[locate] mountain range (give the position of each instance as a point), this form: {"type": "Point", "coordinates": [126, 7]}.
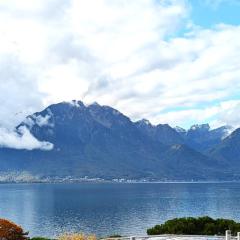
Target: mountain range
{"type": "Point", "coordinates": [99, 142]}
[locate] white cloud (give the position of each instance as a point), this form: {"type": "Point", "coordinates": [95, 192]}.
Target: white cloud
{"type": "Point", "coordinates": [126, 54]}
{"type": "Point", "coordinates": [19, 93]}
{"type": "Point", "coordinates": [223, 113]}
{"type": "Point", "coordinates": [43, 121]}
{"type": "Point", "coordinates": [22, 140]}
{"type": "Point", "coordinates": [228, 112]}
{"type": "Point", "coordinates": [19, 97]}
{"type": "Point", "coordinates": [39, 120]}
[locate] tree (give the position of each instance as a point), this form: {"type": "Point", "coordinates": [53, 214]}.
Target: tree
{"type": "Point", "coordinates": [196, 226]}
{"type": "Point", "coordinates": [11, 231]}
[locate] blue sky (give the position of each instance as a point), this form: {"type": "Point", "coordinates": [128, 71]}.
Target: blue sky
{"type": "Point", "coordinates": [169, 61]}
{"type": "Point", "coordinates": [210, 13]}
{"type": "Point", "coordinates": [207, 14]}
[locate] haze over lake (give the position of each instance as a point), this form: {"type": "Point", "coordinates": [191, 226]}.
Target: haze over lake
{"type": "Point", "coordinates": [104, 209]}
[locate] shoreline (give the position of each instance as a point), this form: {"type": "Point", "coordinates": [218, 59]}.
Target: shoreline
{"type": "Point", "coordinates": [116, 182]}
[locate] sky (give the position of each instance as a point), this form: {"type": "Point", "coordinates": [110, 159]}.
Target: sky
{"type": "Point", "coordinates": [168, 61]}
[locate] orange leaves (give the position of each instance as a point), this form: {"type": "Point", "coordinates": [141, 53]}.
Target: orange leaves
{"type": "Point", "coordinates": [11, 231]}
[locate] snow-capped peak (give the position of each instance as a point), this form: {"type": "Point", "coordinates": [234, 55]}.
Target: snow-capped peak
{"type": "Point", "coordinates": [76, 103]}
{"type": "Point", "coordinates": [200, 126]}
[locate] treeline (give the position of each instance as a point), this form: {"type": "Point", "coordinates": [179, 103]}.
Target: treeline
{"type": "Point", "coordinates": [196, 226]}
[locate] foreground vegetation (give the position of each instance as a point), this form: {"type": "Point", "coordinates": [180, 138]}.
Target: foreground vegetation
{"type": "Point", "coordinates": [196, 226]}
{"type": "Point", "coordinates": [188, 226]}
{"type": "Point", "coordinates": [11, 231]}
{"type": "Point", "coordinates": [74, 236]}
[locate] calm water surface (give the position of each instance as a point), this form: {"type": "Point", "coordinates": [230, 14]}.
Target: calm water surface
{"type": "Point", "coordinates": [103, 209]}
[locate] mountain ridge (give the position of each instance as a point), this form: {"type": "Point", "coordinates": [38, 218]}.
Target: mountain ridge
{"type": "Point", "coordinates": [100, 142]}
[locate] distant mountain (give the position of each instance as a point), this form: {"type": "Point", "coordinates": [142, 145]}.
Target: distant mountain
{"type": "Point", "coordinates": [229, 149]}
{"type": "Point", "coordinates": [100, 142]}
{"type": "Point", "coordinates": [202, 138]}
{"type": "Point", "coordinates": [161, 133]}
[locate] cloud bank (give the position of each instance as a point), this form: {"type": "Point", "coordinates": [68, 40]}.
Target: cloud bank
{"type": "Point", "coordinates": [22, 140]}
{"type": "Point", "coordinates": [144, 57]}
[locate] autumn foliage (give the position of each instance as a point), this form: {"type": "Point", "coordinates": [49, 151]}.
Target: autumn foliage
{"type": "Point", "coordinates": [11, 231]}
{"type": "Point", "coordinates": [77, 236]}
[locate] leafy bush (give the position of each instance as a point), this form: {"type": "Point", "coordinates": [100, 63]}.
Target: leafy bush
{"type": "Point", "coordinates": [11, 231]}
{"type": "Point", "coordinates": [195, 226]}
{"type": "Point", "coordinates": [115, 236]}
{"type": "Point", "coordinates": [77, 236]}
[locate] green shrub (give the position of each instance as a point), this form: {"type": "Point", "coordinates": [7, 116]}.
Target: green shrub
{"type": "Point", "coordinates": [195, 226]}
{"type": "Point", "coordinates": [115, 236]}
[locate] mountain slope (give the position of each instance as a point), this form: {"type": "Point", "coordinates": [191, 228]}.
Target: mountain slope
{"type": "Point", "coordinates": [99, 141]}
{"type": "Point", "coordinates": [228, 149]}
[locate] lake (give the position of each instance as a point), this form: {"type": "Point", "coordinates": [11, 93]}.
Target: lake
{"type": "Point", "coordinates": [104, 209]}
